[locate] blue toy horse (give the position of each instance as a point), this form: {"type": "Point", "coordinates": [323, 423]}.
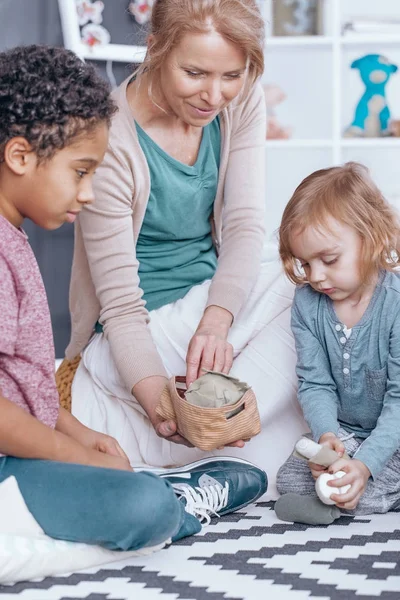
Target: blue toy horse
{"type": "Point", "coordinates": [372, 114]}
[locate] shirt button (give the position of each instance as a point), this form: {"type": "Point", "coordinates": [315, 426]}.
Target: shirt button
{"type": "Point", "coordinates": [346, 355]}
{"type": "Point", "coordinates": [338, 328]}
{"type": "Point", "coordinates": [346, 371]}
{"type": "Point", "coordinates": [343, 340]}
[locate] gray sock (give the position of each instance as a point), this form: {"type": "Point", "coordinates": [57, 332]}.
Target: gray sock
{"type": "Point", "coordinates": [305, 509]}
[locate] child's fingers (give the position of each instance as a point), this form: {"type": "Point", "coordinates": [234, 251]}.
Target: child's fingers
{"type": "Point", "coordinates": [347, 479]}
{"type": "Point", "coordinates": [120, 451]}
{"type": "Point", "coordinates": [347, 501]}
{"type": "Point", "coordinates": [341, 464]}
{"type": "Point", "coordinates": [338, 446]}
{"type": "Point", "coordinates": [351, 498]}
{"type": "Point", "coordinates": [110, 446]}
{"type": "Point", "coordinates": [316, 470]}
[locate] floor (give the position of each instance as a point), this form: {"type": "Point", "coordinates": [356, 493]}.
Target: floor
{"type": "Point", "coordinates": [247, 556]}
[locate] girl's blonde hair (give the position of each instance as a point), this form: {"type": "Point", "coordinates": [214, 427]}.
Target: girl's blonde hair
{"type": "Point", "coordinates": [238, 21]}
{"type": "Point", "coordinates": [347, 194]}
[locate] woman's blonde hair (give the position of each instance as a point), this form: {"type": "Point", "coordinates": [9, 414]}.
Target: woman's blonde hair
{"type": "Point", "coordinates": [347, 194]}
{"type": "Point", "coordinates": [238, 21]}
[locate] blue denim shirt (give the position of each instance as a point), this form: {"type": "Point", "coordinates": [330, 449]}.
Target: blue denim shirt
{"type": "Point", "coordinates": [353, 383]}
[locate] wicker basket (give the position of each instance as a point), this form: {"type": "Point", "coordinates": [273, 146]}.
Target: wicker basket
{"type": "Point", "coordinates": [64, 377]}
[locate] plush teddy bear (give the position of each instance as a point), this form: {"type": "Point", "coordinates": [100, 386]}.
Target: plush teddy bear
{"type": "Point", "coordinates": [372, 113]}
{"type": "Point", "coordinates": [275, 131]}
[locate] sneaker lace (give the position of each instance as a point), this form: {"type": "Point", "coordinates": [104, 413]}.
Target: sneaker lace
{"type": "Point", "coordinates": [201, 502]}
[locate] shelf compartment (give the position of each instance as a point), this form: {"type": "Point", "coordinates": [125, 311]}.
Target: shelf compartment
{"type": "Point", "coordinates": [359, 39]}
{"type": "Point", "coordinates": [389, 142]}
{"type": "Point", "coordinates": [298, 40]}
{"type": "Point", "coordinates": [299, 143]}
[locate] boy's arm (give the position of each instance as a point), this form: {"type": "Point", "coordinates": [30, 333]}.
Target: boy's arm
{"type": "Point", "coordinates": [70, 426]}
{"type": "Point", "coordinates": [317, 392]}
{"type": "Point", "coordinates": [23, 436]}
{"type": "Point", "coordinates": [384, 440]}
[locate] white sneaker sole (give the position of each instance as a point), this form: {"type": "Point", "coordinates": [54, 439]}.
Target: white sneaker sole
{"type": "Point", "coordinates": [198, 463]}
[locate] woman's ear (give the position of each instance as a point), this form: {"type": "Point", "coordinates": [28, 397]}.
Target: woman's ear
{"type": "Point", "coordinates": [150, 40]}
{"type": "Point", "coordinates": [18, 155]}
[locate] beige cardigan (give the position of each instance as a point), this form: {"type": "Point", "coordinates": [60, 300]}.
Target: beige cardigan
{"type": "Point", "coordinates": [104, 279]}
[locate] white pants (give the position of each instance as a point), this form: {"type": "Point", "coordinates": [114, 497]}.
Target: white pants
{"type": "Point", "coordinates": [264, 357]}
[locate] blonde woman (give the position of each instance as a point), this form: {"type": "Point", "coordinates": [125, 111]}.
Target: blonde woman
{"type": "Point", "coordinates": [168, 261]}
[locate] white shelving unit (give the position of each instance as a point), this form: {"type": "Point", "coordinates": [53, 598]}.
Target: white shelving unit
{"type": "Point", "coordinates": [322, 93]}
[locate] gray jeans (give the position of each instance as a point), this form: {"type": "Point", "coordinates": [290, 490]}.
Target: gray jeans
{"type": "Point", "coordinates": [380, 496]}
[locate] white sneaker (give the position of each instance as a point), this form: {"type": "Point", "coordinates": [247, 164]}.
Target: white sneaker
{"type": "Point", "coordinates": [203, 501]}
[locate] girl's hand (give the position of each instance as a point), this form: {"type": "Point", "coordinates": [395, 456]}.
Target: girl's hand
{"type": "Point", "coordinates": [331, 441]}
{"type": "Point", "coordinates": [316, 470]}
{"type": "Point", "coordinates": [209, 349]}
{"type": "Point", "coordinates": [357, 475]}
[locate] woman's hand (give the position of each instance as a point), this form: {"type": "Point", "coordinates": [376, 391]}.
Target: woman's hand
{"type": "Point", "coordinates": [209, 349]}
{"type": "Point", "coordinates": [357, 475]}
{"type": "Point", "coordinates": [148, 392]}
{"type": "Point", "coordinates": [330, 440]}
{"type": "Point", "coordinates": [168, 431]}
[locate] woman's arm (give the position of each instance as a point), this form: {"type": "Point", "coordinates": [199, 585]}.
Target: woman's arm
{"type": "Point", "coordinates": [239, 214]}
{"type": "Point", "coordinates": [107, 229]}
{"type": "Point", "coordinates": [23, 436]}
{"type": "Point", "coordinates": [239, 220]}
{"type": "Point", "coordinates": [147, 392]}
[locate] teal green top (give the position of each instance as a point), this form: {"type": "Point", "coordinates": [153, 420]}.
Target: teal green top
{"type": "Point", "coordinates": [174, 248]}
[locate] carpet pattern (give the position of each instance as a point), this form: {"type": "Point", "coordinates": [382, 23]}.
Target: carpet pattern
{"type": "Point", "coordinates": [247, 556]}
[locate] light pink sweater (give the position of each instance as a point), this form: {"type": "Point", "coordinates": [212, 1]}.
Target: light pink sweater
{"type": "Point", "coordinates": [104, 279]}
{"type": "Point", "coordinates": [26, 339]}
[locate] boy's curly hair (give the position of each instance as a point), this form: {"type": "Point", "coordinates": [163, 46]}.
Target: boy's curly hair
{"type": "Point", "coordinates": [49, 97]}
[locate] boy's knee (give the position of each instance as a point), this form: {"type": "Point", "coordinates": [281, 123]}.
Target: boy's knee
{"type": "Point", "coordinates": [148, 512]}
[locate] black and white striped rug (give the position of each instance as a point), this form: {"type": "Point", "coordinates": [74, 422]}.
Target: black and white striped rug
{"type": "Point", "coordinates": [248, 556]}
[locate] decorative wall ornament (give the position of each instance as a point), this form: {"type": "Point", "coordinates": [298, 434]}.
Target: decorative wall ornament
{"type": "Point", "coordinates": [89, 11]}
{"type": "Point", "coordinates": [141, 10]}
{"type": "Point", "coordinates": [90, 15]}
{"type": "Point", "coordinates": [80, 22]}
{"type": "Point", "coordinates": [95, 35]}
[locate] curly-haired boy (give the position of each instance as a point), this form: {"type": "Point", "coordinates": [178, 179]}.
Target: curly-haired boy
{"type": "Point", "coordinates": [78, 484]}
